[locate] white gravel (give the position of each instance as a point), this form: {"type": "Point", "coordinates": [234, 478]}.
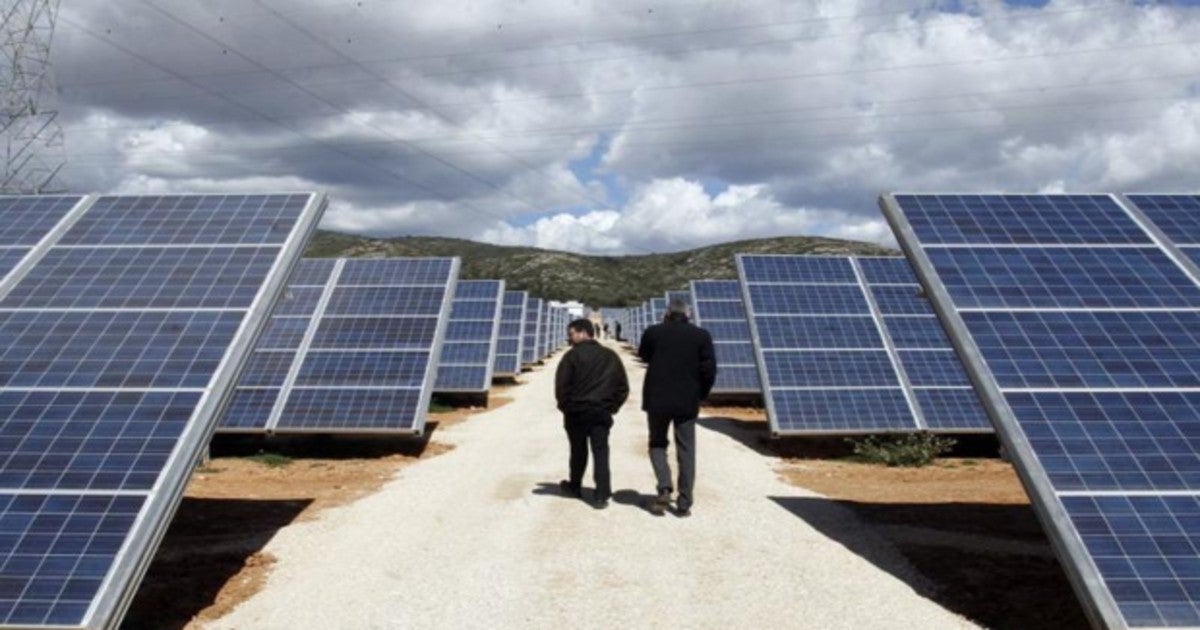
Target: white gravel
{"type": "Point", "coordinates": [470, 540]}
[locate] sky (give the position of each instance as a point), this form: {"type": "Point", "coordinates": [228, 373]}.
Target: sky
{"type": "Point", "coordinates": [627, 127]}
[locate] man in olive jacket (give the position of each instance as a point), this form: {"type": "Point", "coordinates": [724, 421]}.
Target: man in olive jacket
{"type": "Point", "coordinates": [590, 386]}
{"type": "Point", "coordinates": [681, 367]}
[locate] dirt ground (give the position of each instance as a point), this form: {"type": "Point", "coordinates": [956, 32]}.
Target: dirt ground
{"type": "Point", "coordinates": [964, 522]}
{"type": "Point", "coordinates": [210, 559]}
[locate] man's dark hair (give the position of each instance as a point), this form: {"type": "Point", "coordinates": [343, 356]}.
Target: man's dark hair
{"type": "Point", "coordinates": [583, 325]}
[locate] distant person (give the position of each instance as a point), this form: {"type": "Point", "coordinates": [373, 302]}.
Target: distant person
{"type": "Point", "coordinates": [617, 329]}
{"type": "Point", "coordinates": [606, 333]}
{"type": "Point", "coordinates": [590, 386]}
{"type": "Point", "coordinates": [681, 369]}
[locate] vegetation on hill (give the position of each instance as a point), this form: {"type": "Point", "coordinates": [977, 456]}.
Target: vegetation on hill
{"type": "Point", "coordinates": [594, 280]}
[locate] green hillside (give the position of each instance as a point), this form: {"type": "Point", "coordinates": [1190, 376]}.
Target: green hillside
{"type": "Point", "coordinates": [595, 280]}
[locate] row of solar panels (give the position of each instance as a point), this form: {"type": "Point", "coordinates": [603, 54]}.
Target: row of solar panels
{"type": "Point", "coordinates": [845, 345]}
{"type": "Point", "coordinates": [133, 327]}
{"type": "Point", "coordinates": [360, 345]}
{"type": "Point", "coordinates": [1069, 324]}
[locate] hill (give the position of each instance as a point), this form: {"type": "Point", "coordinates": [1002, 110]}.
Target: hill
{"type": "Point", "coordinates": [595, 280]}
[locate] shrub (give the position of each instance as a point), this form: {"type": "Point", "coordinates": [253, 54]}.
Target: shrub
{"type": "Point", "coordinates": [911, 450]}
{"type": "Point", "coordinates": [271, 460]}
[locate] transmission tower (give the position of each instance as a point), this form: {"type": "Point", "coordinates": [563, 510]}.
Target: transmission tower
{"type": "Point", "coordinates": [32, 137]}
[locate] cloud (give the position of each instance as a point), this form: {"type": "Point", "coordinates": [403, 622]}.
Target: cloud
{"type": "Point", "coordinates": [603, 127]}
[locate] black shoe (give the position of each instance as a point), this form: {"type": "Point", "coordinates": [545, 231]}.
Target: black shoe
{"type": "Point", "coordinates": [683, 512]}
{"type": "Point", "coordinates": [568, 490]}
{"type": "Point", "coordinates": [659, 506]}
{"type": "Point", "coordinates": [600, 504]}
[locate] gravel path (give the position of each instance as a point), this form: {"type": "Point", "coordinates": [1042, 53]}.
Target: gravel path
{"type": "Point", "coordinates": [479, 538]}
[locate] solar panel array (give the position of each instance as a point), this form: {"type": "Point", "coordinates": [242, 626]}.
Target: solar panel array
{"type": "Point", "coordinates": [123, 320]}
{"type": "Point", "coordinates": [1079, 316]}
{"type": "Point", "coordinates": [511, 334]}
{"type": "Point", "coordinates": [534, 320]}
{"type": "Point", "coordinates": [352, 348]}
{"type": "Point", "coordinates": [717, 307]}
{"type": "Point", "coordinates": [469, 349]}
{"type": "Point", "coordinates": [836, 338]}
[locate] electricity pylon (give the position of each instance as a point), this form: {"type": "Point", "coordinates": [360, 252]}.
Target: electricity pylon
{"type": "Point", "coordinates": [31, 135]}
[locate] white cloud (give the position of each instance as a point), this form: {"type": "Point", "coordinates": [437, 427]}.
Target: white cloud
{"type": "Point", "coordinates": [466, 119]}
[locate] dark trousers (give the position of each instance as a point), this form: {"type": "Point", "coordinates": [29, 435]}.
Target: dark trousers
{"type": "Point", "coordinates": [590, 427]}
{"type": "Point", "coordinates": [685, 453]}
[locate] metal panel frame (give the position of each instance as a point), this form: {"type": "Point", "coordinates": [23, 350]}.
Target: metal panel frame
{"type": "Point", "coordinates": [1084, 576]}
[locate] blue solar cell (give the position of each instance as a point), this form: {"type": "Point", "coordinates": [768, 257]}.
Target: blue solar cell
{"type": "Point", "coordinates": [1063, 277]}
{"type": "Point", "coordinates": [460, 377]}
{"type": "Point", "coordinates": [1089, 349]}
{"type": "Point", "coordinates": [469, 353]}
{"type": "Point", "coordinates": [358, 410]}
{"type": "Point", "coordinates": [473, 309]}
{"type": "Point", "coordinates": [901, 300]}
{"type": "Point", "coordinates": [188, 219]}
{"type": "Point", "coordinates": [89, 440]}
{"type": "Point", "coordinates": [798, 332]}
{"type": "Point", "coordinates": [842, 410]}
{"type": "Point", "coordinates": [934, 368]}
{"type": "Point", "coordinates": [1145, 548]}
{"type": "Point", "coordinates": [312, 272]}
{"type": "Point", "coordinates": [714, 310]}
{"type": "Point", "coordinates": [737, 378]}
{"type": "Point", "coordinates": [153, 277]}
{"type": "Point", "coordinates": [389, 300]}
{"type": "Point", "coordinates": [267, 369]}
{"type": "Point", "coordinates": [734, 354]}
{"type": "Point", "coordinates": [485, 290]}
{"type": "Point", "coordinates": [859, 368]}
{"type": "Point", "coordinates": [58, 551]}
{"type": "Point", "coordinates": [717, 290]}
{"type": "Point", "coordinates": [1113, 440]}
{"type": "Point", "coordinates": [283, 333]}
{"type": "Point", "coordinates": [363, 369]}
{"type": "Point", "coordinates": [952, 410]}
{"type": "Point", "coordinates": [395, 272]}
{"type": "Point", "coordinates": [300, 301]}
{"type": "Point", "coordinates": [507, 364]}
{"type": "Point", "coordinates": [893, 270]}
{"type": "Point", "coordinates": [771, 299]}
{"type": "Point", "coordinates": [1193, 253]}
{"type": "Point", "coordinates": [249, 409]}
{"type": "Point", "coordinates": [917, 332]}
{"type": "Point", "coordinates": [1020, 219]}
{"type": "Point", "coordinates": [1178, 216]}
{"type": "Point", "coordinates": [469, 330]}
{"type": "Point", "coordinates": [381, 333]}
{"type": "Point", "coordinates": [508, 346]}
{"type": "Point", "coordinates": [28, 220]}
{"type": "Point", "coordinates": [92, 349]}
{"type": "Point", "coordinates": [798, 269]}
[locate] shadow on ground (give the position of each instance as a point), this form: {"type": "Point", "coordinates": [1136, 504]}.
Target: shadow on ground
{"type": "Point", "coordinates": [627, 497]}
{"type": "Point", "coordinates": [209, 541]}
{"type": "Point", "coordinates": [990, 563]}
{"type": "Point", "coordinates": [323, 446]}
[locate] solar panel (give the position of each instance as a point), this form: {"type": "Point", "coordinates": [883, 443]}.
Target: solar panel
{"type": "Point", "coordinates": [510, 336]}
{"type": "Point", "coordinates": [102, 425]}
{"type": "Point", "coordinates": [532, 332]}
{"type": "Point", "coordinates": [356, 337]}
{"type": "Point", "coordinates": [717, 307]}
{"type": "Point", "coordinates": [1076, 315]}
{"type": "Point", "coordinates": [468, 352]}
{"type": "Point", "coordinates": [848, 345]}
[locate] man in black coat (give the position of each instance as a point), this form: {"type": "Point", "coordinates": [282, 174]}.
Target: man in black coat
{"type": "Point", "coordinates": [590, 386]}
{"type": "Point", "coordinates": [681, 369]}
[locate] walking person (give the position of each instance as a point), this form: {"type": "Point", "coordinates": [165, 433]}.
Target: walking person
{"type": "Point", "coordinates": [681, 367]}
{"type": "Point", "coordinates": [590, 386]}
